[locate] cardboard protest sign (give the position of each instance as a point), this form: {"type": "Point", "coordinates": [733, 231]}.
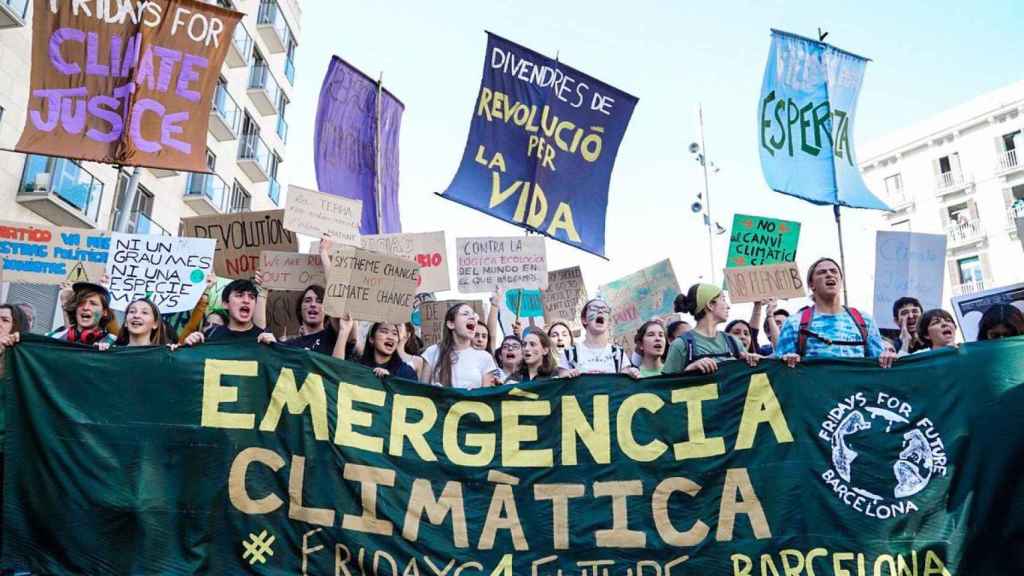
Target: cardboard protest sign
{"type": "Point", "coordinates": [564, 298]}
{"type": "Point", "coordinates": [290, 270]}
{"type": "Point", "coordinates": [369, 286]}
{"type": "Point", "coordinates": [486, 264]}
{"type": "Point", "coordinates": [541, 146]}
{"type": "Point", "coordinates": [907, 264]}
{"type": "Point", "coordinates": [241, 236]}
{"type": "Point", "coordinates": [526, 305]}
{"type": "Point", "coordinates": [171, 271]}
{"type": "Point", "coordinates": [970, 308]}
{"type": "Point", "coordinates": [314, 214]}
{"type": "Point", "coordinates": [756, 240]}
{"type": "Point", "coordinates": [432, 317]}
{"type": "Point", "coordinates": [640, 296]}
{"type": "Point", "coordinates": [757, 283]}
{"type": "Point", "coordinates": [40, 254]}
{"type": "Point", "coordinates": [130, 86]}
{"type": "Point", "coordinates": [427, 249]}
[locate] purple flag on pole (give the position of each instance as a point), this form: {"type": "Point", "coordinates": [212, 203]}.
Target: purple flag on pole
{"type": "Point", "coordinates": [346, 145]}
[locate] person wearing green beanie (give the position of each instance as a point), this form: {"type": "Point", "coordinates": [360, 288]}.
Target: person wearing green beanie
{"type": "Point", "coordinates": [701, 349]}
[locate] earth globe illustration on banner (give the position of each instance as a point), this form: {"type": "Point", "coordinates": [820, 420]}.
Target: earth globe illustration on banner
{"type": "Point", "coordinates": [881, 455]}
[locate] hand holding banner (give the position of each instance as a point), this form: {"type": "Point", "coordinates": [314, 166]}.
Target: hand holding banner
{"type": "Point", "coordinates": [170, 271]}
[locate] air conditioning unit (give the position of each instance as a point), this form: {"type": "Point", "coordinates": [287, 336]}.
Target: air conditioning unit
{"type": "Point", "coordinates": [42, 183]}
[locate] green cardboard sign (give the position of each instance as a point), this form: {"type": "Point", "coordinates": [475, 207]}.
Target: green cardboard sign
{"type": "Point", "coordinates": [757, 241]}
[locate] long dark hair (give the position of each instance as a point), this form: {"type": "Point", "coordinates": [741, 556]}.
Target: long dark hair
{"type": "Point", "coordinates": [549, 366]}
{"type": "Point", "coordinates": [413, 344]}
{"type": "Point", "coordinates": [158, 337]}
{"type": "Point", "coordinates": [442, 371]}
{"type": "Point", "coordinates": [752, 347]}
{"type": "Point", "coordinates": [686, 303]}
{"type": "Point", "coordinates": [638, 338]}
{"type": "Point", "coordinates": [20, 319]}
{"type": "Point", "coordinates": [1005, 314]}
{"type": "Point", "coordinates": [572, 339]}
{"type": "Point", "coordinates": [369, 359]}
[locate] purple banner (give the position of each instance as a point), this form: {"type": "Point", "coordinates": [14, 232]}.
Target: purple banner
{"type": "Point", "coordinates": [346, 144]}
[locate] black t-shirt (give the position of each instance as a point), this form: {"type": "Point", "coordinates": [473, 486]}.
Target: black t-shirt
{"type": "Point", "coordinates": [322, 341]}
{"type": "Point", "coordinates": [402, 370]}
{"type": "Point", "coordinates": [224, 334]}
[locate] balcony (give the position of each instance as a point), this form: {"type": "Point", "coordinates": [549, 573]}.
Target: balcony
{"type": "Point", "coordinates": [140, 223]}
{"type": "Point", "coordinates": [264, 91]}
{"type": "Point", "coordinates": [254, 157]}
{"type": "Point", "coordinates": [162, 172]}
{"type": "Point", "coordinates": [13, 13]}
{"type": "Point", "coordinates": [274, 191]}
{"type": "Point", "coordinates": [61, 191]}
{"type": "Point", "coordinates": [1012, 213]}
{"type": "Point", "coordinates": [225, 115]}
{"type": "Point", "coordinates": [1009, 162]}
{"type": "Point", "coordinates": [289, 71]}
{"type": "Point", "coordinates": [968, 288]}
{"type": "Point", "coordinates": [965, 233]}
{"type": "Point", "coordinates": [240, 50]}
{"type": "Point", "coordinates": [205, 193]}
{"type": "Point", "coordinates": [282, 129]}
{"type": "Point", "coordinates": [272, 26]}
{"type": "Point", "coordinates": [951, 182]}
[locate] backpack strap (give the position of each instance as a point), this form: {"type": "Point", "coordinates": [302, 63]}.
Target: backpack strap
{"type": "Point", "coordinates": [734, 348]}
{"type": "Point", "coordinates": [858, 319]}
{"type": "Point", "coordinates": [688, 340]}
{"type": "Point", "coordinates": [806, 315]}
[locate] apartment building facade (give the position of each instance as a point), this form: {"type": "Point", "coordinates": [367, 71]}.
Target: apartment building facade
{"type": "Point", "coordinates": [245, 151]}
{"type": "Point", "coordinates": [959, 173]}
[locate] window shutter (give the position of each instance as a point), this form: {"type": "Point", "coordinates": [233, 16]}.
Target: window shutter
{"type": "Point", "coordinates": [986, 269]}
{"type": "Point", "coordinates": [954, 273]}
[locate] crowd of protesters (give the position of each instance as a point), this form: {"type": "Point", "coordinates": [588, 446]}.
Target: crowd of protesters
{"type": "Point", "coordinates": [468, 355]}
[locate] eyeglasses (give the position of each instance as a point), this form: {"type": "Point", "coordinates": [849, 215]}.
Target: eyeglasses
{"type": "Point", "coordinates": [512, 346]}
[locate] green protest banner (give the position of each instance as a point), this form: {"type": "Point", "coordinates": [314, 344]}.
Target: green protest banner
{"type": "Point", "coordinates": [235, 458]}
{"type": "Point", "coordinates": [756, 241]}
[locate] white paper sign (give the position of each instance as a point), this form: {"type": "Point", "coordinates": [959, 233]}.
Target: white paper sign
{"type": "Point", "coordinates": [169, 270]}
{"type": "Point", "coordinates": [907, 264]}
{"type": "Point", "coordinates": [315, 214]}
{"type": "Point", "coordinates": [485, 264]}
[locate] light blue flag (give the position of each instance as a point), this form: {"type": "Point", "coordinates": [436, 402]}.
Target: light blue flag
{"type": "Point", "coordinates": [806, 115]}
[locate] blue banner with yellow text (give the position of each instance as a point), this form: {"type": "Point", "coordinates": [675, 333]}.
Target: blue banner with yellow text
{"type": "Point", "coordinates": [542, 145]}
{"type": "Point", "coordinates": [805, 122]}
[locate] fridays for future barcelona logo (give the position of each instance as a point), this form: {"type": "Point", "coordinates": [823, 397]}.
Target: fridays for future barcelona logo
{"type": "Point", "coordinates": [883, 454]}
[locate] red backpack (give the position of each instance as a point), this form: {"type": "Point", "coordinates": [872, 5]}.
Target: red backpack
{"type": "Point", "coordinates": [805, 321]}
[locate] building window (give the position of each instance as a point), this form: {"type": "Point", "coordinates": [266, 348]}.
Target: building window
{"type": "Point", "coordinates": [959, 214]}
{"type": "Point", "coordinates": [894, 187]}
{"type": "Point", "coordinates": [1011, 140]}
{"type": "Point", "coordinates": [211, 160]}
{"type": "Point", "coordinates": [970, 270]}
{"type": "Point", "coordinates": [240, 199]}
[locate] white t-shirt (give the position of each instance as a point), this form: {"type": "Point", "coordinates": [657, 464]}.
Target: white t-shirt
{"type": "Point", "coordinates": [468, 367]}
{"type": "Point", "coordinates": [596, 360]}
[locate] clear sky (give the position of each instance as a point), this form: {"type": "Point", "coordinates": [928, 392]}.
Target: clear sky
{"type": "Point", "coordinates": [926, 56]}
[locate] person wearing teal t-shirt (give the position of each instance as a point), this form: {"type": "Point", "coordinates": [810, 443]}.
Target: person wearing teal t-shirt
{"type": "Point", "coordinates": [650, 347]}
{"type": "Point", "coordinates": [701, 349]}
